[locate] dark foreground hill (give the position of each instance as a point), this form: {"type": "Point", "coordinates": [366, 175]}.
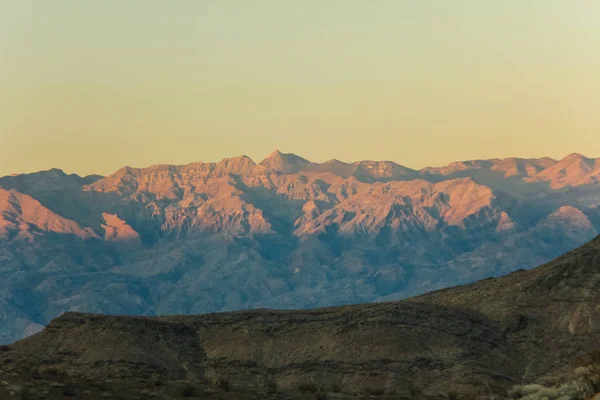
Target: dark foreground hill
{"type": "Point", "coordinates": [474, 341]}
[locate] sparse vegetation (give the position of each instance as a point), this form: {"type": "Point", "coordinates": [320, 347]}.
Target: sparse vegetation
{"type": "Point", "coordinates": [308, 387]}
{"type": "Point", "coordinates": [374, 391]}
{"type": "Point", "coordinates": [595, 357]}
{"type": "Point", "coordinates": [52, 370]}
{"type": "Point", "coordinates": [272, 386]}
{"type": "Point", "coordinates": [576, 389]}
{"type": "Point", "coordinates": [186, 391]}
{"type": "Point", "coordinates": [452, 395]}
{"type": "Point", "coordinates": [414, 391]}
{"type": "Point", "coordinates": [98, 384]}
{"type": "Point", "coordinates": [157, 380]}
{"type": "Point", "coordinates": [69, 392]}
{"type": "Point", "coordinates": [223, 383]}
{"type": "Point", "coordinates": [35, 373]}
{"type": "Point", "coordinates": [584, 383]}
{"type": "Point", "coordinates": [26, 394]}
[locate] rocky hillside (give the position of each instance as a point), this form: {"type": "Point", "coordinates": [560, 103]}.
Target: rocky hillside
{"type": "Point", "coordinates": [478, 341]}
{"type": "Point", "coordinates": [283, 233]}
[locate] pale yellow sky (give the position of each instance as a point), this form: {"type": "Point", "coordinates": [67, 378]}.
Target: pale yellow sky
{"type": "Point", "coordinates": [89, 86]}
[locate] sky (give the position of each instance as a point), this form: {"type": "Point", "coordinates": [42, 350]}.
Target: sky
{"type": "Point", "coordinates": [90, 86]}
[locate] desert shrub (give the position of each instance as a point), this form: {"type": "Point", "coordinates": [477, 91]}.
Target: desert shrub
{"type": "Point", "coordinates": [374, 391]}
{"type": "Point", "coordinates": [452, 395]}
{"type": "Point", "coordinates": [583, 371]}
{"type": "Point", "coordinates": [35, 373]}
{"type": "Point", "coordinates": [223, 383]}
{"type": "Point", "coordinates": [186, 391]}
{"type": "Point", "coordinates": [69, 392]}
{"type": "Point", "coordinates": [146, 393]}
{"type": "Point", "coordinates": [26, 394]}
{"type": "Point", "coordinates": [308, 387]}
{"type": "Point", "coordinates": [52, 370]}
{"type": "Point", "coordinates": [157, 381]}
{"type": "Point", "coordinates": [574, 390]}
{"type": "Point", "coordinates": [98, 384]}
{"type": "Point", "coordinates": [414, 391]}
{"type": "Point", "coordinates": [456, 395]}
{"type": "Point", "coordinates": [594, 382]}
{"type": "Point", "coordinates": [533, 390]}
{"type": "Point", "coordinates": [595, 356]}
{"type": "Point", "coordinates": [272, 386]}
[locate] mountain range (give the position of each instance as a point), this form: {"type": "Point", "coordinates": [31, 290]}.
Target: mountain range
{"type": "Point", "coordinates": [283, 233]}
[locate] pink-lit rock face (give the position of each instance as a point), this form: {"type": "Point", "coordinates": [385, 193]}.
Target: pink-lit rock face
{"type": "Point", "coordinates": [572, 171]}
{"type": "Point", "coordinates": [285, 232]}
{"type": "Point", "coordinates": [24, 217]}
{"type": "Point", "coordinates": [283, 163]}
{"type": "Point", "coordinates": [505, 223]}
{"type": "Point", "coordinates": [403, 206]}
{"type": "Point", "coordinates": [117, 230]}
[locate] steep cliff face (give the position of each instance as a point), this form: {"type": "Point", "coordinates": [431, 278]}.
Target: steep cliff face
{"type": "Point", "coordinates": [283, 233]}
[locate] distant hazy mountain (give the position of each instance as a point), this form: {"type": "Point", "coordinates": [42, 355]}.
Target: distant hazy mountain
{"type": "Point", "coordinates": [284, 233]}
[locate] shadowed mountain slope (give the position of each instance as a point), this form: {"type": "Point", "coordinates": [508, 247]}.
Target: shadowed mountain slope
{"type": "Point", "coordinates": [474, 341]}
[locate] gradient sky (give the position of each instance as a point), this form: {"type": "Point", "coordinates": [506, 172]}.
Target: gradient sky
{"type": "Point", "coordinates": [90, 86]}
